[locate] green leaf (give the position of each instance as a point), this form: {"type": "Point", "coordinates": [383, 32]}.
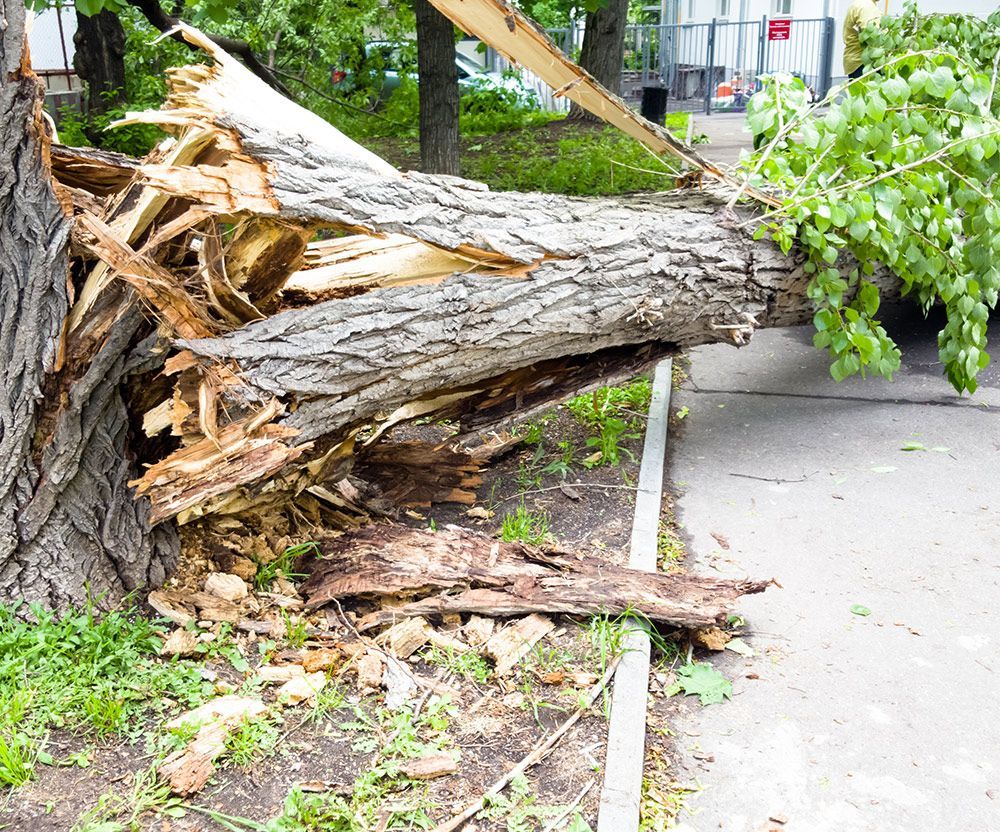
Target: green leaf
{"type": "Point", "coordinates": [884, 469]}
{"type": "Point", "coordinates": [704, 681]}
{"type": "Point", "coordinates": [860, 609]}
{"type": "Point", "coordinates": [88, 8]}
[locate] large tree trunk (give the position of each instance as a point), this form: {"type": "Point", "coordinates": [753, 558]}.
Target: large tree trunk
{"type": "Point", "coordinates": [603, 50]}
{"type": "Point", "coordinates": [68, 521]}
{"type": "Point", "coordinates": [100, 59]}
{"type": "Point", "coordinates": [438, 90]}
{"type": "Point", "coordinates": [451, 298]}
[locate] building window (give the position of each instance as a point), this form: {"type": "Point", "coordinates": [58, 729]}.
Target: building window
{"type": "Point", "coordinates": [783, 7]}
{"type": "Point", "coordinates": [722, 8]}
{"type": "Point", "coordinates": [691, 10]}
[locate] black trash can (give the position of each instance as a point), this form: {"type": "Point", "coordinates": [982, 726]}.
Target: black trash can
{"type": "Point", "coordinates": [654, 104]}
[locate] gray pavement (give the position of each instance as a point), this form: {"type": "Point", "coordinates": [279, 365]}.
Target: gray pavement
{"type": "Point", "coordinates": [885, 723]}
{"type": "Point", "coordinates": [728, 136]}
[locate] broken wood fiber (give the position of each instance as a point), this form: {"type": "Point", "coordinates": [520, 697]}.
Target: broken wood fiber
{"type": "Point", "coordinates": [455, 570]}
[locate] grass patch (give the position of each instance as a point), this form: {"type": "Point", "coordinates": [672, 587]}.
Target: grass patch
{"type": "Point", "coordinates": [550, 155]}
{"type": "Point", "coordinates": [282, 566]}
{"type": "Point", "coordinates": [467, 664]}
{"type": "Point", "coordinates": [612, 415]}
{"type": "Point", "coordinates": [85, 672]}
{"type": "Point", "coordinates": [530, 527]}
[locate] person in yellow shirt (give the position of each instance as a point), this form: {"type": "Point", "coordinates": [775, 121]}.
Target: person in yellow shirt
{"type": "Point", "coordinates": [860, 14]}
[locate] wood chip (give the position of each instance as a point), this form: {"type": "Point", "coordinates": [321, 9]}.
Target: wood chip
{"type": "Point", "coordinates": [301, 688]}
{"type": "Point", "coordinates": [180, 642]}
{"type": "Point", "coordinates": [324, 658]}
{"type": "Point", "coordinates": [227, 587]}
{"type": "Point", "coordinates": [479, 629]}
{"type": "Point", "coordinates": [427, 768]}
{"type": "Point", "coordinates": [271, 674]}
{"type": "Point", "coordinates": [406, 637]}
{"type": "Point", "coordinates": [370, 669]}
{"type": "Point", "coordinates": [513, 643]}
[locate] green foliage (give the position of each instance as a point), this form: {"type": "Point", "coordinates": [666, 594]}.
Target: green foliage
{"type": "Point", "coordinates": [468, 664]}
{"type": "Point", "coordinates": [530, 527]}
{"type": "Point", "coordinates": [704, 681]}
{"type": "Point", "coordinates": [123, 811]}
{"type": "Point", "coordinates": [613, 414]}
{"type": "Point", "coordinates": [253, 739]}
{"type": "Point", "coordinates": [521, 810]}
{"type": "Point", "coordinates": [901, 171]}
{"type": "Point", "coordinates": [283, 566]}
{"type": "Point", "coordinates": [81, 671]}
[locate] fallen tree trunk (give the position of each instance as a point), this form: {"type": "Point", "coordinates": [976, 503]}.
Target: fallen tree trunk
{"type": "Point", "coordinates": [462, 571]}
{"type": "Point", "coordinates": [446, 299]}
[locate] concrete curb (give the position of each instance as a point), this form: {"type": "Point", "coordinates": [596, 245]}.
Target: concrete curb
{"type": "Point", "coordinates": [620, 795]}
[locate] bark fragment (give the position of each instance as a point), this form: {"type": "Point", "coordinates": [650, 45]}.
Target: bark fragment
{"type": "Point", "coordinates": [455, 570]}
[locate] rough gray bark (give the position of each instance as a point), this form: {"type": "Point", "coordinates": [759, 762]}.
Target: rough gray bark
{"type": "Point", "coordinates": [67, 517]}
{"type": "Point", "coordinates": [438, 75]}
{"type": "Point", "coordinates": [668, 269]}
{"type": "Point", "coordinates": [603, 51]}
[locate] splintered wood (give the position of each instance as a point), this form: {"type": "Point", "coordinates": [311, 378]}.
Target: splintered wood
{"type": "Point", "coordinates": [300, 297]}
{"type": "Point", "coordinates": [458, 571]}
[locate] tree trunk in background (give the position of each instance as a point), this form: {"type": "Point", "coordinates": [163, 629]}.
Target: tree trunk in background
{"type": "Point", "coordinates": [100, 60]}
{"type": "Point", "coordinates": [67, 516]}
{"type": "Point", "coordinates": [603, 51]}
{"type": "Point", "coordinates": [438, 90]}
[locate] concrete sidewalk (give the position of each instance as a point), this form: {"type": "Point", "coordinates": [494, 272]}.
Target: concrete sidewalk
{"type": "Point", "coordinates": [728, 136]}
{"type": "Point", "coordinates": [885, 723]}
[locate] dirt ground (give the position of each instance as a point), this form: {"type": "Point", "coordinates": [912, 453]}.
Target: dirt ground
{"type": "Point", "coordinates": [491, 723]}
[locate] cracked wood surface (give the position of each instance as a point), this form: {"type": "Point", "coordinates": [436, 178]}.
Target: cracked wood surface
{"type": "Point", "coordinates": [463, 571]}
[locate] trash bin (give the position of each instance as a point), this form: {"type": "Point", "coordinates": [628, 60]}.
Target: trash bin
{"type": "Point", "coordinates": [654, 104]}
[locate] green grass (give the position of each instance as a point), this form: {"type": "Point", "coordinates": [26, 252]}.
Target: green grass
{"type": "Point", "coordinates": [612, 415]}
{"type": "Point", "coordinates": [252, 740]}
{"type": "Point", "coordinates": [468, 664]}
{"type": "Point", "coordinates": [580, 162]}
{"type": "Point", "coordinates": [93, 674]}
{"type": "Point", "coordinates": [530, 527]}
{"type": "Point", "coordinates": [282, 566]}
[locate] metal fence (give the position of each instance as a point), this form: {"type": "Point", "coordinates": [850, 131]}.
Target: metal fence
{"type": "Point", "coordinates": [713, 67]}
{"type": "Point", "coordinates": [716, 66]}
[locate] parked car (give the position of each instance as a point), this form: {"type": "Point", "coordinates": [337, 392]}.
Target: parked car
{"type": "Point", "coordinates": [393, 60]}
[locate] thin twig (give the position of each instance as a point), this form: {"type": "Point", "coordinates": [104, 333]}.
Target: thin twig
{"type": "Point", "coordinates": [568, 485]}
{"type": "Point", "coordinates": [336, 100]}
{"type": "Point", "coordinates": [778, 480]}
{"type": "Point", "coordinates": [537, 754]}
{"type": "Point", "coordinates": [569, 809]}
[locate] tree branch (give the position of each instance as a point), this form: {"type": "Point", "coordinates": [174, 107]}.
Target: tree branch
{"type": "Point", "coordinates": [153, 12]}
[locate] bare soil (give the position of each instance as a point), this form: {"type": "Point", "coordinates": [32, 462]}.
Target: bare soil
{"type": "Point", "coordinates": [494, 725]}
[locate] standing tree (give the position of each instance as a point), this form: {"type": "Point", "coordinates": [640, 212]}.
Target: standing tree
{"type": "Point", "coordinates": [603, 52]}
{"type": "Point", "coordinates": [438, 75]}
{"type": "Point", "coordinates": [99, 59]}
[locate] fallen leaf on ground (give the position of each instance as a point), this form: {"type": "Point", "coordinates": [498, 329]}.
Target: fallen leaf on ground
{"type": "Point", "coordinates": [860, 609]}
{"type": "Point", "coordinates": [704, 681]}
{"type": "Point", "coordinates": [712, 637]}
{"type": "Point", "coordinates": [738, 645]}
{"type": "Point", "coordinates": [720, 539]}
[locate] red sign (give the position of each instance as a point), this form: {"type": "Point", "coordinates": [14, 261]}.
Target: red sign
{"type": "Point", "coordinates": [780, 29]}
